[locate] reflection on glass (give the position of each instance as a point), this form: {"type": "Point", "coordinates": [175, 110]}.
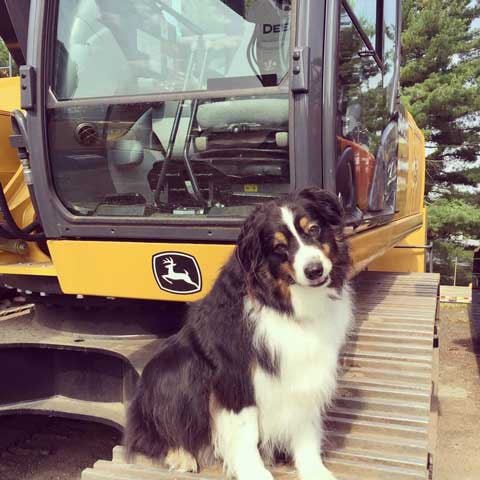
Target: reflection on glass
{"type": "Point", "coordinates": [209, 158]}
{"type": "Point", "coordinates": [131, 47]}
{"type": "Point", "coordinates": [367, 139]}
{"type": "Point", "coordinates": [366, 13]}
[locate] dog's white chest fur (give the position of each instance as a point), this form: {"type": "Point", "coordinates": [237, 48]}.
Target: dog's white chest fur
{"type": "Point", "coordinates": [306, 347]}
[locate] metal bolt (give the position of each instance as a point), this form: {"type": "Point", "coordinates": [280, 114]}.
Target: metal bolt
{"type": "Point", "coordinates": [296, 69]}
{"type": "Point", "coordinates": [296, 55]}
{"type": "Point", "coordinates": [21, 247]}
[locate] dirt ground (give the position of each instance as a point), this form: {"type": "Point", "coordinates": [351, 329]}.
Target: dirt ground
{"type": "Point", "coordinates": [43, 448]}
{"type": "Point", "coordinates": [458, 441]}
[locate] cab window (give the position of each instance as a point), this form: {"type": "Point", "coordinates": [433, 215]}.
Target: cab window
{"type": "Point", "coordinates": [366, 13]}
{"type": "Point", "coordinates": [113, 48]}
{"type": "Point", "coordinates": [367, 131]}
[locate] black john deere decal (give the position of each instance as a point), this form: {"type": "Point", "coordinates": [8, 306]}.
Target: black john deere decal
{"type": "Point", "coordinates": [177, 272]}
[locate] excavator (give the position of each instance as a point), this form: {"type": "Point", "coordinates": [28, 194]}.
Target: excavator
{"type": "Point", "coordinates": [135, 141]}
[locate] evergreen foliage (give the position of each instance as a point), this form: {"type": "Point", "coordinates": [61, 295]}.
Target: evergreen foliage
{"type": "Point", "coordinates": [440, 79]}
{"type": "Point", "coordinates": [440, 86]}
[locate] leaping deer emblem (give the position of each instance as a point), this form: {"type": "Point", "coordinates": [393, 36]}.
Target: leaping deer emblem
{"type": "Point", "coordinates": [173, 275]}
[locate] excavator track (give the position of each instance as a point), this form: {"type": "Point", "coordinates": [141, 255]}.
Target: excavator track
{"type": "Point", "coordinates": [382, 424]}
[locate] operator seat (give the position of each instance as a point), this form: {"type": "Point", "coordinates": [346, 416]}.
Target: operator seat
{"type": "Point", "coordinates": [95, 56]}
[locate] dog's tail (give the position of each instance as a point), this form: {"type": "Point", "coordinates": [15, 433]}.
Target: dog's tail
{"type": "Point", "coordinates": [140, 435]}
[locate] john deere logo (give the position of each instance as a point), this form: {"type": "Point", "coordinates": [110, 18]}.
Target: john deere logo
{"type": "Point", "coordinates": [177, 272]}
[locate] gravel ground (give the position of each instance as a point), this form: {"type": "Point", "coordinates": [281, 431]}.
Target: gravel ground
{"type": "Point", "coordinates": [457, 455]}
{"type": "Point", "coordinates": [41, 448]}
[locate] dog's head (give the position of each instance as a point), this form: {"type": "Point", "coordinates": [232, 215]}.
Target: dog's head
{"type": "Point", "coordinates": [295, 240]}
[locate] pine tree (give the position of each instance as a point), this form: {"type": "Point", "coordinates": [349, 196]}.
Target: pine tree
{"type": "Point", "coordinates": [441, 87]}
{"type": "Point", "coordinates": [440, 78]}
{"type": "Point", "coordinates": [3, 57]}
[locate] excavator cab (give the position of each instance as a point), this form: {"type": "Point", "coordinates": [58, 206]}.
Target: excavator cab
{"type": "Point", "coordinates": [150, 115]}
{"type": "Point", "coordinates": [164, 123]}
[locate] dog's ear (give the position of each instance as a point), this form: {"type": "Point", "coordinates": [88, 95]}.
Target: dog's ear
{"type": "Point", "coordinates": [249, 245]}
{"type": "Point", "coordinates": [325, 205]}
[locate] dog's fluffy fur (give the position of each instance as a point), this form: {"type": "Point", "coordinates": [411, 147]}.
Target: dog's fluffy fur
{"type": "Point", "coordinates": [255, 364]}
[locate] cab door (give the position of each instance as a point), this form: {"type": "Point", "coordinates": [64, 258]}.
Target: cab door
{"type": "Point", "coordinates": [367, 108]}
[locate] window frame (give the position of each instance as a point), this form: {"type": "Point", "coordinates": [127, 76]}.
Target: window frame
{"type": "Point", "coordinates": [376, 51]}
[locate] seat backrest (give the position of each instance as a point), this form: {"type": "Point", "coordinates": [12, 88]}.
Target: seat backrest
{"type": "Point", "coordinates": [272, 30]}
{"type": "Point", "coordinates": [95, 57]}
{"type": "Point", "coordinates": [271, 112]}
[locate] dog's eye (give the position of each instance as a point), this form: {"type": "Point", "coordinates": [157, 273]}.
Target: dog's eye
{"type": "Point", "coordinates": [280, 248]}
{"type": "Point", "coordinates": [313, 230]}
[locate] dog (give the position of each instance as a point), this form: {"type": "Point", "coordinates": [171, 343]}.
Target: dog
{"type": "Point", "coordinates": [254, 366]}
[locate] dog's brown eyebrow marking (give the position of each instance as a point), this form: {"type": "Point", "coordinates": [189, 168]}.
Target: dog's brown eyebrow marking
{"type": "Point", "coordinates": [326, 249]}
{"type": "Point", "coordinates": [304, 221]}
{"type": "Point", "coordinates": [280, 238]}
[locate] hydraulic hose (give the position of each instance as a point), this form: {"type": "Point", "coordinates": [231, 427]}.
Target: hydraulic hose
{"type": "Point", "coordinates": [9, 227]}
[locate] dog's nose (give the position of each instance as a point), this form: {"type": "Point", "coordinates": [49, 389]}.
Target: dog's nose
{"type": "Point", "coordinates": [313, 271]}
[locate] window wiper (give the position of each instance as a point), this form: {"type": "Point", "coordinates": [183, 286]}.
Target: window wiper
{"type": "Point", "coordinates": [181, 18]}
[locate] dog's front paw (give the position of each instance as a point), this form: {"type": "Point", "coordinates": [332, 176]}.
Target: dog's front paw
{"type": "Point", "coordinates": [181, 461]}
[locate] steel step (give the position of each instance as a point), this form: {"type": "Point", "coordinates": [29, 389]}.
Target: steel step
{"type": "Point", "coordinates": [398, 364]}
{"type": "Point", "coordinates": [378, 425]}
{"type": "Point", "coordinates": [383, 407]}
{"type": "Point", "coordinates": [375, 427]}
{"type": "Point", "coordinates": [387, 375]}
{"type": "Point", "coordinates": [414, 449]}
{"type": "Point", "coordinates": [381, 392]}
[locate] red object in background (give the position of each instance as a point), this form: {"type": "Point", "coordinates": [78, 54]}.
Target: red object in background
{"type": "Point", "coordinates": [364, 163]}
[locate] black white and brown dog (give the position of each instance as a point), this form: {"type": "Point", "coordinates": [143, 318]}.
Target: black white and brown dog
{"type": "Point", "coordinates": [254, 366]}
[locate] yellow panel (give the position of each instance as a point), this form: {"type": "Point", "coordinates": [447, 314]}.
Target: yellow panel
{"type": "Point", "coordinates": [26, 268]}
{"type": "Point", "coordinates": [403, 259]}
{"type": "Point", "coordinates": [10, 94]}
{"type": "Point", "coordinates": [402, 171]}
{"type": "Point", "coordinates": [20, 204]}
{"type": "Point", "coordinates": [16, 192]}
{"type": "Point", "coordinates": [124, 269]}
{"type": "Point", "coordinates": [368, 246]}
{"type": "Point", "coordinates": [411, 170]}
{"type": "Point", "coordinates": [9, 161]}
{"type": "Point", "coordinates": [419, 152]}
